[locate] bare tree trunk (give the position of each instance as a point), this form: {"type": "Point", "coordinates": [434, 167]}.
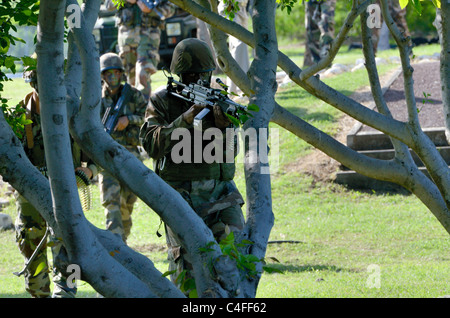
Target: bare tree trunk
{"type": "Point", "coordinates": [445, 63]}
{"type": "Point", "coordinates": [262, 75]}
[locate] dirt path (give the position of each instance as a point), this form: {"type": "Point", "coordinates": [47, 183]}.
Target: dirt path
{"type": "Point", "coordinates": [426, 80]}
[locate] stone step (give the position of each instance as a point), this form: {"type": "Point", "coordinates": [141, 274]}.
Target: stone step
{"type": "Point", "coordinates": [354, 180]}
{"type": "Point", "coordinates": [388, 154]}
{"type": "Point", "coordinates": [375, 140]}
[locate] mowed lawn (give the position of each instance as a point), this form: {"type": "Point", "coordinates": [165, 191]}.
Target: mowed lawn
{"type": "Point", "coordinates": [327, 241]}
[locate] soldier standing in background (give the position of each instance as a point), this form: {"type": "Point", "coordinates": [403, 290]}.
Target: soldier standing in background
{"type": "Point", "coordinates": [238, 49]}
{"type": "Point", "coordinates": [437, 23]}
{"type": "Point", "coordinates": [31, 227]}
{"type": "Point", "coordinates": [319, 23]}
{"type": "Point", "coordinates": [116, 198]}
{"type": "Point", "coordinates": [139, 36]}
{"type": "Point", "coordinates": [399, 16]}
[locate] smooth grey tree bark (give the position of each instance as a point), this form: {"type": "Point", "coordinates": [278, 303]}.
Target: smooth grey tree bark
{"type": "Point", "coordinates": [70, 100]}
{"type": "Point", "coordinates": [444, 36]}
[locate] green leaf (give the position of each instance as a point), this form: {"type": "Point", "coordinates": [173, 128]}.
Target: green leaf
{"type": "Point", "coordinates": [39, 268]}
{"type": "Point", "coordinates": [4, 46]}
{"type": "Point", "coordinates": [253, 107]}
{"type": "Point", "coordinates": [193, 293]}
{"type": "Point", "coordinates": [189, 284]}
{"type": "Point", "coordinates": [205, 249]}
{"type": "Point", "coordinates": [233, 120]}
{"type": "Point", "coordinates": [24, 121]}
{"type": "Point", "coordinates": [271, 270]}
{"type": "Point", "coordinates": [403, 3]}
{"type": "Point", "coordinates": [417, 5]}
{"type": "Point", "coordinates": [243, 118]}
{"type": "Point", "coordinates": [165, 274]}
{"type": "Point", "coordinates": [29, 62]}
{"type": "Point", "coordinates": [250, 266]}
{"type": "Point", "coordinates": [9, 61]}
{"type": "Point", "coordinates": [274, 259]}
{"type": "Point", "coordinates": [437, 3]}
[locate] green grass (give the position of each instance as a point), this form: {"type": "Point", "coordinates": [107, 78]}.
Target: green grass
{"type": "Point", "coordinates": [342, 234]}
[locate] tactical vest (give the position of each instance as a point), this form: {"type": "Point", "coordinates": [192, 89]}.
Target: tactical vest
{"type": "Point", "coordinates": [191, 171]}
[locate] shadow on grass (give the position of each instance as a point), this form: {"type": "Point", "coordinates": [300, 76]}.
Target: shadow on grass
{"type": "Point", "coordinates": [303, 108]}
{"type": "Point", "coordinates": [303, 268]}
{"type": "Point", "coordinates": [19, 295]}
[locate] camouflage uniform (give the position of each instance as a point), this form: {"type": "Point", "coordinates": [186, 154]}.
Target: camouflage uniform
{"type": "Point", "coordinates": [399, 16]}
{"type": "Point", "coordinates": [437, 23]}
{"type": "Point", "coordinates": [117, 199]}
{"type": "Point", "coordinates": [207, 187]}
{"type": "Point", "coordinates": [319, 24]}
{"type": "Point", "coordinates": [238, 49]}
{"type": "Point", "coordinates": [139, 35]}
{"type": "Point", "coordinates": [30, 225]}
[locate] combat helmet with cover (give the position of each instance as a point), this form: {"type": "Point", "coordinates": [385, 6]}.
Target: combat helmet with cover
{"type": "Point", "coordinates": [192, 55]}
{"type": "Point", "coordinates": [109, 61]}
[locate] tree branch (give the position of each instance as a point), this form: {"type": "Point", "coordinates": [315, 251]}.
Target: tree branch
{"type": "Point", "coordinates": [386, 170]}
{"type": "Point", "coordinates": [404, 50]}
{"type": "Point", "coordinates": [313, 85]}
{"type": "Point", "coordinates": [402, 152]}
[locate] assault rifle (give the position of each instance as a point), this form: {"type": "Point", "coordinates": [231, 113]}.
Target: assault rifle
{"type": "Point", "coordinates": [112, 113]}
{"type": "Point", "coordinates": [202, 93]}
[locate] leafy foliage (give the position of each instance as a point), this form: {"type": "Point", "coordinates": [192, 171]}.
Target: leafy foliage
{"type": "Point", "coordinates": [231, 7]}
{"type": "Point", "coordinates": [13, 14]}
{"type": "Point", "coordinates": [417, 4]}
{"type": "Point", "coordinates": [286, 4]}
{"type": "Point", "coordinates": [243, 115]}
{"type": "Point", "coordinates": [245, 262]}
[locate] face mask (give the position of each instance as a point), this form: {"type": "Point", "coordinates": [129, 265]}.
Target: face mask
{"type": "Point", "coordinates": [112, 78]}
{"type": "Point", "coordinates": [188, 78]}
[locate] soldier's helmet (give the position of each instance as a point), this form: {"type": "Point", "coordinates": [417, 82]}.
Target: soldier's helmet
{"type": "Point", "coordinates": [30, 74]}
{"type": "Point", "coordinates": [109, 61]}
{"type": "Point", "coordinates": [192, 55]}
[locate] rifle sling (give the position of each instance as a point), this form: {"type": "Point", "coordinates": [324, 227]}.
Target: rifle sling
{"type": "Point", "coordinates": [32, 107]}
